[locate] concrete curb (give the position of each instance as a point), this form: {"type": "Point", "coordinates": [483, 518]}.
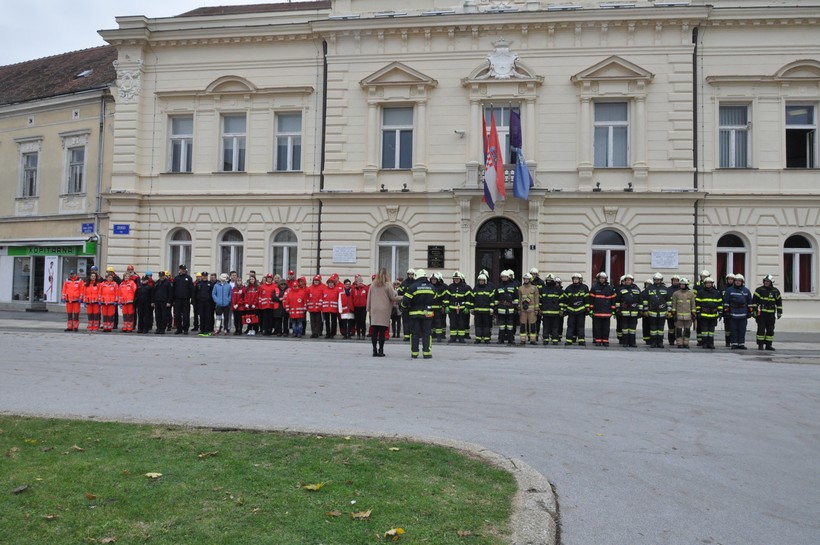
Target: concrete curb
{"type": "Point", "coordinates": [534, 519]}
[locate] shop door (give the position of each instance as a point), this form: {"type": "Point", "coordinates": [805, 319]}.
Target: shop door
{"type": "Point", "coordinates": [499, 247]}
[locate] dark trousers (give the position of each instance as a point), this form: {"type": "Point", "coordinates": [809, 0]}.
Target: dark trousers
{"type": "Point", "coordinates": [459, 323]}
{"type": "Point", "coordinates": [483, 326]}
{"type": "Point", "coordinates": [765, 328]}
{"type": "Point", "coordinates": [145, 319]}
{"type": "Point", "coordinates": [360, 321]}
{"type": "Point", "coordinates": [646, 329]}
{"type": "Point", "coordinates": [552, 323]}
{"type": "Point", "coordinates": [439, 323]}
{"type": "Point", "coordinates": [237, 321]}
{"type": "Point", "coordinates": [206, 316]}
{"type": "Point", "coordinates": [670, 324]}
{"type": "Point", "coordinates": [737, 329]}
{"type": "Point", "coordinates": [266, 319]}
{"type": "Point", "coordinates": [162, 316]}
{"type": "Point", "coordinates": [395, 325]}
{"type": "Point", "coordinates": [406, 325]}
{"type": "Point", "coordinates": [576, 324]}
{"type": "Point", "coordinates": [629, 326]}
{"type": "Point", "coordinates": [331, 324]}
{"type": "Point", "coordinates": [422, 331]}
{"type": "Point", "coordinates": [315, 324]}
{"type": "Point", "coordinates": [656, 325]}
{"type": "Point", "coordinates": [182, 314]}
{"type": "Point", "coordinates": [600, 329]}
{"type": "Point", "coordinates": [346, 326]}
{"type": "Point", "coordinates": [377, 336]}
{"type": "Point", "coordinates": [707, 331]}
{"type": "Point", "coordinates": [506, 327]}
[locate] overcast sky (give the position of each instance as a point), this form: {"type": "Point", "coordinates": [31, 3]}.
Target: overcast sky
{"type": "Point", "coordinates": [31, 29]}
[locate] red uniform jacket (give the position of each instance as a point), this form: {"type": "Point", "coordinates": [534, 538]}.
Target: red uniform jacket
{"type": "Point", "coordinates": [268, 296]}
{"type": "Point", "coordinates": [330, 298]}
{"type": "Point", "coordinates": [315, 294]}
{"type": "Point", "coordinates": [345, 301]}
{"type": "Point", "coordinates": [91, 293]}
{"type": "Point", "coordinates": [238, 298]}
{"type": "Point", "coordinates": [73, 290]}
{"type": "Point", "coordinates": [296, 302]}
{"type": "Point", "coordinates": [358, 292]}
{"type": "Point", "coordinates": [251, 298]}
{"type": "Point", "coordinates": [127, 290]}
{"type": "Point", "coordinates": [109, 292]}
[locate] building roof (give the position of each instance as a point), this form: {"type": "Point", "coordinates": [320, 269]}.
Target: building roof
{"type": "Point", "coordinates": [58, 75]}
{"type": "Point", "coordinates": [257, 8]}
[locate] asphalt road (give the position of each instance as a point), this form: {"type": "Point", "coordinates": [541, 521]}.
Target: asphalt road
{"type": "Point", "coordinates": [644, 447]}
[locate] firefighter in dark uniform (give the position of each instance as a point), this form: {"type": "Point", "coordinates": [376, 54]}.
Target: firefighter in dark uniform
{"type": "Point", "coordinates": [575, 305]}
{"type": "Point", "coordinates": [163, 300]}
{"type": "Point", "coordinates": [418, 303]}
{"type": "Point", "coordinates": [656, 306]}
{"type": "Point", "coordinates": [551, 303]}
{"type": "Point", "coordinates": [538, 283]}
{"type": "Point", "coordinates": [628, 306]}
{"type": "Point", "coordinates": [183, 292]}
{"type": "Point", "coordinates": [768, 307]}
{"type": "Point", "coordinates": [403, 287]}
{"type": "Point", "coordinates": [670, 320]}
{"type": "Point", "coordinates": [457, 302]}
{"type": "Point", "coordinates": [619, 333]}
{"type": "Point", "coordinates": [730, 280]}
{"type": "Point", "coordinates": [439, 318]}
{"type": "Point", "coordinates": [602, 306]}
{"type": "Point", "coordinates": [708, 306]}
{"type": "Point", "coordinates": [482, 309]}
{"type": "Point", "coordinates": [645, 328]}
{"type": "Point", "coordinates": [737, 309]}
{"type": "Point", "coordinates": [506, 305]}
{"type": "Point", "coordinates": [704, 274]}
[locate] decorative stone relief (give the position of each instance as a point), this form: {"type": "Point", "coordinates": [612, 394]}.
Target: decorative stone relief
{"type": "Point", "coordinates": [502, 63]}
{"type": "Point", "coordinates": [392, 212]}
{"type": "Point", "coordinates": [128, 81]}
{"type": "Point", "coordinates": [610, 212]}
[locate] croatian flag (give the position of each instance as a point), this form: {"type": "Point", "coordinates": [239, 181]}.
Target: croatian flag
{"type": "Point", "coordinates": [494, 168]}
{"type": "Point", "coordinates": [522, 179]}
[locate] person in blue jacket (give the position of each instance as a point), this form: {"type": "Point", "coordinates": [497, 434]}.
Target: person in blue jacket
{"type": "Point", "coordinates": [737, 309]}
{"type": "Point", "coordinates": [221, 295]}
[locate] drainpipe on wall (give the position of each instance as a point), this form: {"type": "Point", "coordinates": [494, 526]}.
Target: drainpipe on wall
{"type": "Point", "coordinates": [322, 157]}
{"type": "Point", "coordinates": [100, 156]}
{"type": "Point", "coordinates": [695, 155]}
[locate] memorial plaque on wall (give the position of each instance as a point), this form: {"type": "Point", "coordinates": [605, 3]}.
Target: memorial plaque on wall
{"type": "Point", "coordinates": [435, 257]}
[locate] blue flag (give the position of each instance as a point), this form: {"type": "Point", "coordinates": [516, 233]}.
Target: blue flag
{"type": "Point", "coordinates": [522, 179]}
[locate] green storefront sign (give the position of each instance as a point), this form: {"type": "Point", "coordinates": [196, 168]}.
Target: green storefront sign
{"type": "Point", "coordinates": [53, 250]}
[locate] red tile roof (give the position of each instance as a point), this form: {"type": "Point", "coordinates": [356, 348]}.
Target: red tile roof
{"type": "Point", "coordinates": [256, 8]}
{"type": "Point", "coordinates": [57, 75]}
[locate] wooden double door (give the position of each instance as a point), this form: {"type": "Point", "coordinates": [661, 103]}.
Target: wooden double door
{"type": "Point", "coordinates": [499, 246]}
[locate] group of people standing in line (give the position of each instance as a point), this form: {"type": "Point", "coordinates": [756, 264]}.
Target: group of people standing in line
{"type": "Point", "coordinates": [421, 306]}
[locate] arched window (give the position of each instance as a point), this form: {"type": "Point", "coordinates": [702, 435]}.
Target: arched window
{"type": "Point", "coordinates": [609, 255]}
{"type": "Point", "coordinates": [285, 252]}
{"type": "Point", "coordinates": [731, 258]}
{"type": "Point", "coordinates": [231, 248]}
{"type": "Point", "coordinates": [179, 249]}
{"type": "Point", "coordinates": [798, 261]}
{"type": "Point", "coordinates": [394, 251]}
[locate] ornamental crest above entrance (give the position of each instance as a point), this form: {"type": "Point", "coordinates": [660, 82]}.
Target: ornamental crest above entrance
{"type": "Point", "coordinates": [502, 63]}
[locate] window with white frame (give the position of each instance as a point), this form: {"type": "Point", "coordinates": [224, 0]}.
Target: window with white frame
{"type": "Point", "coordinates": [288, 142]}
{"type": "Point", "coordinates": [393, 250]}
{"type": "Point", "coordinates": [182, 143]}
{"type": "Point", "coordinates": [397, 138]}
{"type": "Point", "coordinates": [798, 265]}
{"type": "Point", "coordinates": [231, 248]}
{"type": "Point", "coordinates": [234, 133]}
{"type": "Point", "coordinates": [801, 136]}
{"type": "Point", "coordinates": [608, 255]}
{"type": "Point", "coordinates": [734, 136]}
{"type": "Point", "coordinates": [502, 125]}
{"type": "Point", "coordinates": [179, 249]}
{"type": "Point", "coordinates": [29, 174]}
{"type": "Point", "coordinates": [285, 252]}
{"type": "Point", "coordinates": [76, 170]}
{"type": "Point", "coordinates": [731, 257]}
{"type": "Point", "coordinates": [611, 135]}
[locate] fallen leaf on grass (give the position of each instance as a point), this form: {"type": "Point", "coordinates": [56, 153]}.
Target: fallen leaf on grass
{"type": "Point", "coordinates": [208, 454]}
{"type": "Point", "coordinates": [464, 533]}
{"type": "Point", "coordinates": [126, 472]}
{"type": "Point", "coordinates": [89, 496]}
{"type": "Point", "coordinates": [31, 441]}
{"type": "Point", "coordinates": [51, 517]}
{"type": "Point", "coordinates": [107, 540]}
{"type": "Point", "coordinates": [77, 448]}
{"type": "Point", "coordinates": [314, 487]}
{"type": "Point", "coordinates": [334, 513]}
{"type": "Point", "coordinates": [12, 452]}
{"type": "Point", "coordinates": [153, 475]}
{"type": "Point", "coordinates": [48, 449]}
{"type": "Point", "coordinates": [394, 533]}
{"type": "Point", "coordinates": [361, 515]}
{"type": "Point", "coordinates": [20, 489]}
{"type": "Point", "coordinates": [394, 449]}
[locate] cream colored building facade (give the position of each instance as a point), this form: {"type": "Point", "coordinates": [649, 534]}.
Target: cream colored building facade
{"type": "Point", "coordinates": [343, 136]}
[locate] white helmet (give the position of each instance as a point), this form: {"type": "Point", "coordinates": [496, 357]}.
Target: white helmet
{"type": "Point", "coordinates": [420, 273]}
{"type": "Point", "coordinates": [527, 276]}
{"type": "Point", "coordinates": [684, 281]}
{"type": "Point", "coordinates": [482, 277]}
{"type": "Point", "coordinates": [730, 276]}
{"type": "Point", "coordinates": [704, 273]}
{"type": "Point", "coordinates": [628, 276]}
{"type": "Point", "coordinates": [675, 276]}
{"type": "Point", "coordinates": [602, 274]}
{"type": "Point", "coordinates": [648, 282]}
{"type": "Point", "coordinates": [549, 277]}
{"type": "Point", "coordinates": [740, 277]}
{"type": "Point", "coordinates": [557, 279]}
{"type": "Point", "coordinates": [505, 272]}
{"type": "Point", "coordinates": [769, 277]}
{"type": "Point", "coordinates": [438, 276]}
{"type": "Point", "coordinates": [458, 274]}
{"type": "Point", "coordinates": [623, 277]}
{"type": "Point", "coordinates": [534, 271]}
{"type": "Point", "coordinates": [411, 271]}
{"type": "Point", "coordinates": [578, 275]}
{"type": "Point", "coordinates": [658, 276]}
{"type": "Point", "coordinates": [708, 279]}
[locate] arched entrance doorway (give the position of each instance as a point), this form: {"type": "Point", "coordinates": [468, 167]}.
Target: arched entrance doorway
{"type": "Point", "coordinates": [498, 247]}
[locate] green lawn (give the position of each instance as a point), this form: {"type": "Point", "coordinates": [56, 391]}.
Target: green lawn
{"type": "Point", "coordinates": [74, 482]}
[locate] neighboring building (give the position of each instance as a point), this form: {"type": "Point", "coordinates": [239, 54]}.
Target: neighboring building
{"type": "Point", "coordinates": [55, 135]}
{"type": "Point", "coordinates": [347, 135]}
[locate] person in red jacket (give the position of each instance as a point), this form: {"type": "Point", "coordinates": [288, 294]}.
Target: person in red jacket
{"type": "Point", "coordinates": [238, 306]}
{"type": "Point", "coordinates": [330, 306]}
{"type": "Point", "coordinates": [251, 314]}
{"type": "Point", "coordinates": [296, 305]}
{"type": "Point", "coordinates": [128, 289]}
{"type": "Point", "coordinates": [345, 302]}
{"type": "Point", "coordinates": [72, 297]}
{"type": "Point", "coordinates": [91, 298]}
{"type": "Point", "coordinates": [109, 291]}
{"type": "Point", "coordinates": [358, 293]}
{"type": "Point", "coordinates": [268, 303]}
{"type": "Point", "coordinates": [315, 295]}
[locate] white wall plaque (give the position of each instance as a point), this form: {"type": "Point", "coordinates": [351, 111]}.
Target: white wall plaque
{"type": "Point", "coordinates": [664, 259]}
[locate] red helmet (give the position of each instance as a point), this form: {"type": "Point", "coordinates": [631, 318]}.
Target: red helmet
{"type": "Point", "coordinates": [317, 277]}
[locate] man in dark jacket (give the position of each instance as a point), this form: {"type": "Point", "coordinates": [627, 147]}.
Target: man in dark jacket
{"type": "Point", "coordinates": [142, 303]}
{"type": "Point", "coordinates": [203, 293]}
{"type": "Point", "coordinates": [163, 299]}
{"type": "Point", "coordinates": [418, 303]}
{"type": "Point", "coordinates": [602, 306]}
{"type": "Point", "coordinates": [183, 292]}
